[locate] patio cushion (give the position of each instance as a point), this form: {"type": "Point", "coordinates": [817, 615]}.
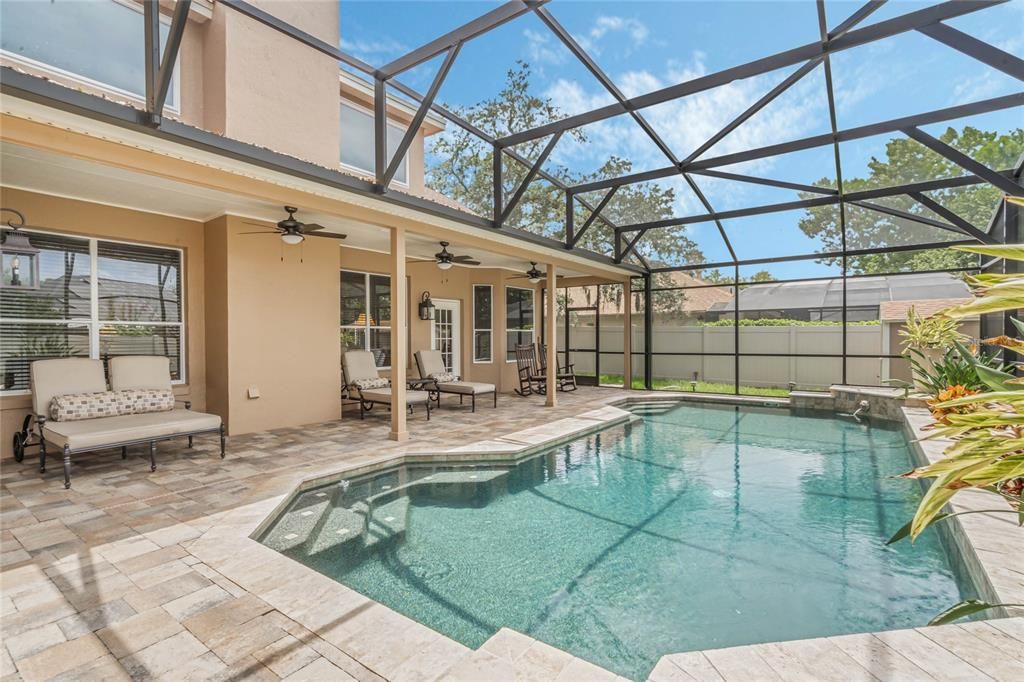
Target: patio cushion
{"type": "Point", "coordinates": [95, 433]}
{"type": "Point", "coordinates": [444, 377]}
{"type": "Point", "coordinates": [358, 365]}
{"type": "Point", "coordinates": [140, 372]}
{"type": "Point", "coordinates": [465, 387]}
{"type": "Point", "coordinates": [379, 382]}
{"type": "Point", "coordinates": [429, 363]}
{"type": "Point", "coordinates": [64, 376]}
{"type": "Point", "coordinates": [143, 400]}
{"type": "Point", "coordinates": [78, 406]}
{"type": "Point", "coordinates": [383, 395]}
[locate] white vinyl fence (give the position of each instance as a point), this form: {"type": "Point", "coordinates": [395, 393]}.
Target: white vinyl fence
{"type": "Point", "coordinates": [805, 372]}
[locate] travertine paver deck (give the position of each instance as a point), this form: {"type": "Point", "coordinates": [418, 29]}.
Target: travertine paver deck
{"type": "Point", "coordinates": [99, 582]}
{"type": "Point", "coordinates": [153, 576]}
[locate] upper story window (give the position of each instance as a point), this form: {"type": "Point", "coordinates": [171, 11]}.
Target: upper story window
{"type": "Point", "coordinates": [98, 43]}
{"type": "Point", "coordinates": [96, 299]}
{"type": "Point", "coordinates": [357, 142]}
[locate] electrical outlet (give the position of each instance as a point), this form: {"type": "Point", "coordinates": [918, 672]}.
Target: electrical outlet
{"type": "Point", "coordinates": [253, 392]}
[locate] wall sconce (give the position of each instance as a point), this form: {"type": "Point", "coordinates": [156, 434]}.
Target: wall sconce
{"type": "Point", "coordinates": [426, 307]}
{"type": "Point", "coordinates": [20, 260]}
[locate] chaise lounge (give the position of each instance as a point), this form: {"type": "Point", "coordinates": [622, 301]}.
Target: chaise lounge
{"type": "Point", "coordinates": [363, 382]}
{"type": "Point", "coordinates": [431, 366]}
{"type": "Point", "coordinates": [77, 413]}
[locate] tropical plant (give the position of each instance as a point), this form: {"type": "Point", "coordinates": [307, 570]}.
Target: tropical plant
{"type": "Point", "coordinates": [957, 366]}
{"type": "Point", "coordinates": [986, 429]}
{"type": "Point", "coordinates": [927, 333]}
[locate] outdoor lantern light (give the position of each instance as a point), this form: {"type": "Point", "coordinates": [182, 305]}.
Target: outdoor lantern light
{"type": "Point", "coordinates": [20, 259]}
{"type": "Point", "coordinates": [426, 305]}
{"type": "Point", "coordinates": [292, 238]}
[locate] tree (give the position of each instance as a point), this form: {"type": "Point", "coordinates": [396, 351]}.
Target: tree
{"type": "Point", "coordinates": [908, 161]}
{"type": "Point", "coordinates": [762, 276]}
{"type": "Point", "coordinates": [464, 172]}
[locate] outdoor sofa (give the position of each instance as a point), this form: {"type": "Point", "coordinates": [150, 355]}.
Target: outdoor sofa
{"type": "Point", "coordinates": [76, 412]}
{"type": "Point", "coordinates": [431, 366]}
{"type": "Point", "coordinates": [364, 383]}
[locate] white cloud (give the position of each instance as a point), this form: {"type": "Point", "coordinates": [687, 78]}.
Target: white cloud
{"type": "Point", "coordinates": [634, 29]}
{"type": "Point", "coordinates": [369, 49]}
{"type": "Point", "coordinates": [539, 48]}
{"type": "Point", "coordinates": [687, 123]}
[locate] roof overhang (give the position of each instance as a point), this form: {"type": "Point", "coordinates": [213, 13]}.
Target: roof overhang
{"type": "Point", "coordinates": [45, 115]}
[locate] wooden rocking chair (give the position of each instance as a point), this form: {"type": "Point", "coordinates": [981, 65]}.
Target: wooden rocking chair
{"type": "Point", "coordinates": [565, 375]}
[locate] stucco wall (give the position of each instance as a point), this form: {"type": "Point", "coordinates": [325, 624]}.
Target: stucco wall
{"type": "Point", "coordinates": [277, 92]}
{"type": "Point", "coordinates": [281, 337]}
{"type": "Point", "coordinates": [96, 220]}
{"type": "Point", "coordinates": [454, 284]}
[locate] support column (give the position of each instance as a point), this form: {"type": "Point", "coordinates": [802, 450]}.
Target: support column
{"type": "Point", "coordinates": [627, 335]}
{"type": "Point", "coordinates": [549, 334]}
{"type": "Point", "coordinates": [399, 335]}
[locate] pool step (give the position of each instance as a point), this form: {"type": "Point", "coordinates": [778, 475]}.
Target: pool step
{"type": "Point", "coordinates": [319, 520]}
{"type": "Point", "coordinates": [652, 408]}
{"type": "Point", "coordinates": [299, 523]}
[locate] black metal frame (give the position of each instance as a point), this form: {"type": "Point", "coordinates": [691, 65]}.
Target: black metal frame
{"type": "Point", "coordinates": [845, 35]}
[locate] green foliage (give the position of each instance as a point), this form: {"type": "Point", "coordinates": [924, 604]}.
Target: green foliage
{"type": "Point", "coordinates": [963, 609]}
{"type": "Point", "coordinates": [986, 429]}
{"type": "Point", "coordinates": [908, 161]}
{"type": "Point", "coordinates": [701, 386]}
{"type": "Point", "coordinates": [465, 174]}
{"type": "Point", "coordinates": [957, 367]}
{"type": "Point", "coordinates": [773, 322]}
{"type": "Point", "coordinates": [928, 333]}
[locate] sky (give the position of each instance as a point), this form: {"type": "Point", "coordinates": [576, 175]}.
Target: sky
{"type": "Point", "coordinates": [644, 46]}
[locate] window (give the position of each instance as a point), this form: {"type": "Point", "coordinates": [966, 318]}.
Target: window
{"type": "Point", "coordinates": [98, 43]}
{"type": "Point", "coordinates": [366, 314]}
{"type": "Point", "coordinates": [483, 327]}
{"type": "Point", "coordinates": [95, 299]}
{"type": "Point", "coordinates": [518, 320]}
{"type": "Point", "coordinates": [357, 142]}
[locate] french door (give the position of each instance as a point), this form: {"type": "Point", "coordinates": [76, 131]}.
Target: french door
{"type": "Point", "coordinates": [445, 333]}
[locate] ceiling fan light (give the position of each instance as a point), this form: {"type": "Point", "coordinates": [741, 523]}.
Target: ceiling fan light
{"type": "Point", "coordinates": [292, 238]}
{"type": "Point", "coordinates": [444, 265]}
{"type": "Point", "coordinates": [535, 280]}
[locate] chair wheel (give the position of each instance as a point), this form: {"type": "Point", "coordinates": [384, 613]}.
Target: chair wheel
{"type": "Point", "coordinates": [19, 447]}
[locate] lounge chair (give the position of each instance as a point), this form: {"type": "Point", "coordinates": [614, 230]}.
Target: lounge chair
{"type": "Point", "coordinates": [431, 366]}
{"type": "Point", "coordinates": [76, 412]}
{"type": "Point", "coordinates": [363, 382]}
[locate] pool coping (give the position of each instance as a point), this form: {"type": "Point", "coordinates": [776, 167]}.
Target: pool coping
{"type": "Point", "coordinates": [397, 647]}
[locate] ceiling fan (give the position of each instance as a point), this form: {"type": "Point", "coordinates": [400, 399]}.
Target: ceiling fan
{"type": "Point", "coordinates": [535, 275]}
{"type": "Point", "coordinates": [293, 231]}
{"type": "Point", "coordinates": [445, 258]}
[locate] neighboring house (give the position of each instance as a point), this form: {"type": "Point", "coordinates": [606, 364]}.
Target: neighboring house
{"type": "Point", "coordinates": [822, 300]}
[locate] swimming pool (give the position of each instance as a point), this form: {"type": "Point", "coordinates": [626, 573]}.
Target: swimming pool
{"type": "Point", "coordinates": [700, 527]}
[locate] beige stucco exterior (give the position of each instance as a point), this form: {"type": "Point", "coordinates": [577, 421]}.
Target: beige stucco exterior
{"type": "Point", "coordinates": [96, 220]}
{"type": "Point", "coordinates": [272, 329]}
{"type": "Point", "coordinates": [239, 78]}
{"type": "Point", "coordinates": [259, 318]}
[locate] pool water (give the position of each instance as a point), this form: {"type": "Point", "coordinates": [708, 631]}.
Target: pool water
{"type": "Point", "coordinates": [701, 527]}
